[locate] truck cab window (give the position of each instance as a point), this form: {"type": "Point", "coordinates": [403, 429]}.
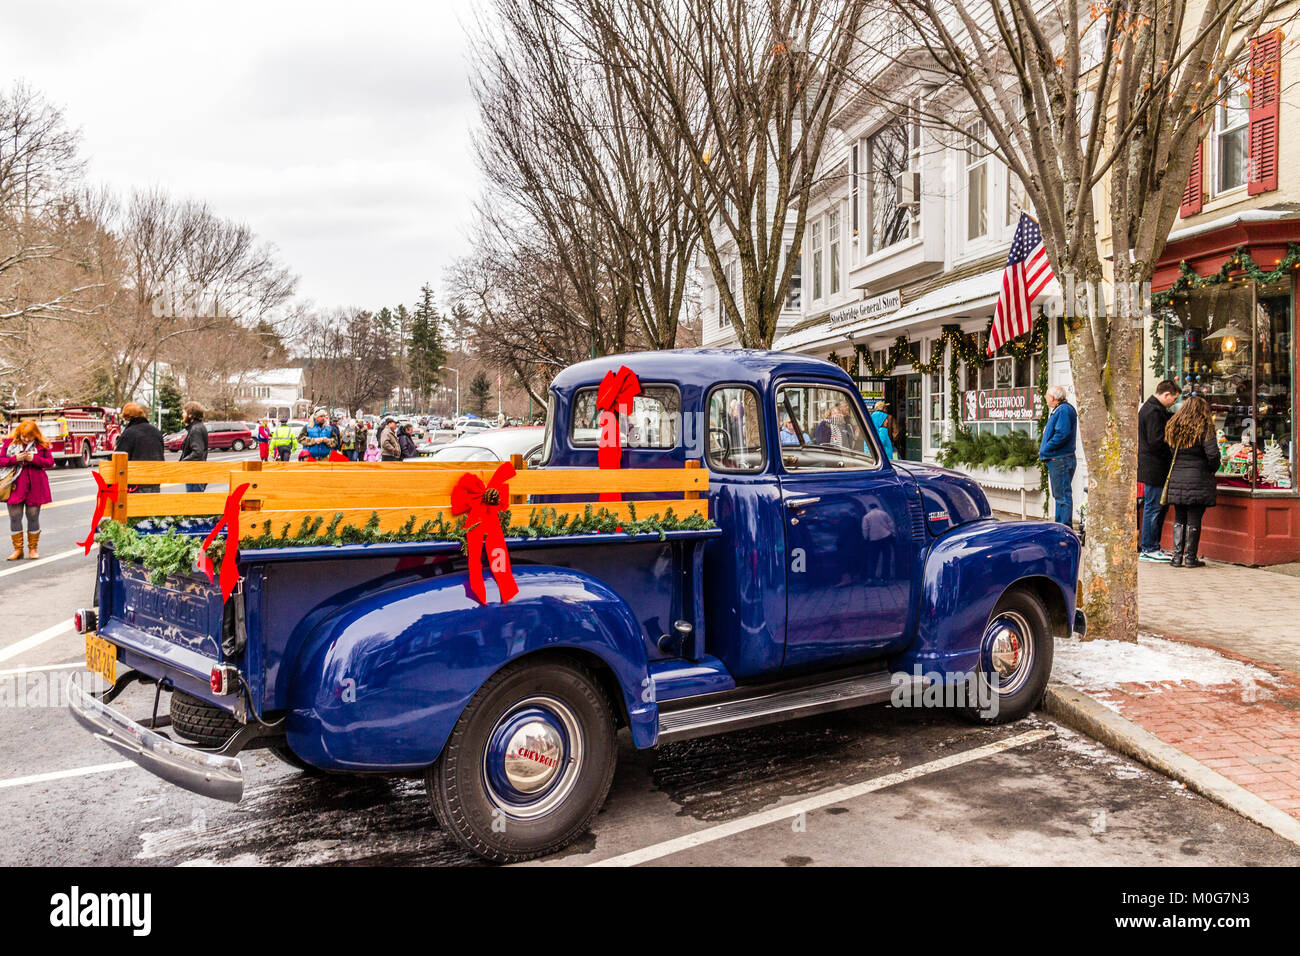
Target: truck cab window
{"type": "Point", "coordinates": [822, 430]}
{"type": "Point", "coordinates": [655, 421]}
{"type": "Point", "coordinates": [735, 437]}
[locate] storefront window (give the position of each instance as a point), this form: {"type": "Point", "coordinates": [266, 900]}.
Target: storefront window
{"type": "Point", "coordinates": [1001, 397]}
{"type": "Point", "coordinates": [1231, 344]}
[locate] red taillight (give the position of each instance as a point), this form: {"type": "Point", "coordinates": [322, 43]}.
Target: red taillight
{"type": "Point", "coordinates": [223, 680]}
{"type": "Point", "coordinates": [76, 622]}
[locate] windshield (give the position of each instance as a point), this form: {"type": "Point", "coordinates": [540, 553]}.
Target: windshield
{"type": "Point", "coordinates": [821, 428]}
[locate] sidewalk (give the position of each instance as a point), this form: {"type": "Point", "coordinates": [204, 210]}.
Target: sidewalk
{"type": "Point", "coordinates": [1215, 674]}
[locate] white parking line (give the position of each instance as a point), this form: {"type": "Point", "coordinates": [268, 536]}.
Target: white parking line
{"type": "Point", "coordinates": [27, 565]}
{"type": "Point", "coordinates": [63, 774]}
{"type": "Point", "coordinates": [71, 665]}
{"type": "Point", "coordinates": [36, 640]}
{"type": "Point", "coordinates": [783, 814]}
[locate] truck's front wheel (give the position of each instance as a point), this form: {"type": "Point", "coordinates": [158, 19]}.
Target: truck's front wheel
{"type": "Point", "coordinates": [529, 763]}
{"type": "Point", "coordinates": [1015, 660]}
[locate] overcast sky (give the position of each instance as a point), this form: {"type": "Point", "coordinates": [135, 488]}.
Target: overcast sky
{"type": "Point", "coordinates": [337, 131]}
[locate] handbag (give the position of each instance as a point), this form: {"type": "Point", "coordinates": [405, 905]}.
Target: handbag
{"type": "Point", "coordinates": [1164, 492]}
{"type": "Point", "coordinates": [8, 478]}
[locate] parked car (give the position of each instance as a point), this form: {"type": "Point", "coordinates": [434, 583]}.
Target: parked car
{"type": "Point", "coordinates": [491, 444]}
{"type": "Point", "coordinates": [833, 578]}
{"type": "Point", "coordinates": [222, 436]}
{"type": "Point", "coordinates": [464, 425]}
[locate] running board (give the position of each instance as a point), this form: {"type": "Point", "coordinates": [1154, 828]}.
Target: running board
{"type": "Point", "coordinates": [774, 706]}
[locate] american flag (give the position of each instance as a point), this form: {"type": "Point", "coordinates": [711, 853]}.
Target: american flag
{"type": "Point", "coordinates": [1026, 275]}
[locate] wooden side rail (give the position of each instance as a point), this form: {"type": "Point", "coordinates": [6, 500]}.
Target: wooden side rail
{"type": "Point", "coordinates": [287, 492]}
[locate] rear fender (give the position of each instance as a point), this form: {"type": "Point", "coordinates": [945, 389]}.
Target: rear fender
{"type": "Point", "coordinates": [380, 684]}
{"type": "Point", "coordinates": [966, 573]}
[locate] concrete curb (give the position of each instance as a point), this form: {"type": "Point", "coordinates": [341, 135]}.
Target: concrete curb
{"type": "Point", "coordinates": [1079, 711]}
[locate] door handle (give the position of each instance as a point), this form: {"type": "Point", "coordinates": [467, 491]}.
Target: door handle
{"type": "Point", "coordinates": [798, 504]}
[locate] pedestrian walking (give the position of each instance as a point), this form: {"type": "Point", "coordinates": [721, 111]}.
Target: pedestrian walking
{"type": "Point", "coordinates": [24, 458]}
{"type": "Point", "coordinates": [1154, 459]}
{"type": "Point", "coordinates": [1057, 450]}
{"type": "Point", "coordinates": [141, 441]}
{"type": "Point", "coordinates": [406, 442]}
{"type": "Point", "coordinates": [318, 437]}
{"type": "Point", "coordinates": [282, 441]}
{"type": "Point", "coordinates": [1191, 486]}
{"type": "Point", "coordinates": [390, 449]}
{"type": "Point", "coordinates": [348, 442]}
{"type": "Point", "coordinates": [263, 439]}
{"type": "Point", "coordinates": [880, 419]}
{"type": "Point", "coordinates": [195, 445]}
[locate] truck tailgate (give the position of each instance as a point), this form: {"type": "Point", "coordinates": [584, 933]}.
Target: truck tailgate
{"type": "Point", "coordinates": [177, 625]}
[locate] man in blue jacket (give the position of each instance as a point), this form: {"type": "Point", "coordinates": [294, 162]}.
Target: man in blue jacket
{"type": "Point", "coordinates": [1057, 449]}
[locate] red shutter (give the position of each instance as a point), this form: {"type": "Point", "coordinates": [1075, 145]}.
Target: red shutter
{"type": "Point", "coordinates": [1265, 98]}
{"type": "Point", "coordinates": [1192, 194]}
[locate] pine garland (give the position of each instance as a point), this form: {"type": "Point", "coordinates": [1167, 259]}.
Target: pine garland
{"type": "Point", "coordinates": [1238, 267]}
{"type": "Point", "coordinates": [964, 349]}
{"type": "Point", "coordinates": [171, 546]}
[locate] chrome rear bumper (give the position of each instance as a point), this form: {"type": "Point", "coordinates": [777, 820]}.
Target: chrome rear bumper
{"type": "Point", "coordinates": [221, 778]}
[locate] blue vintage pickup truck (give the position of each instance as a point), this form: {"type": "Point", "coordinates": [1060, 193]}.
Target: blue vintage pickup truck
{"type": "Point", "coordinates": [830, 578]}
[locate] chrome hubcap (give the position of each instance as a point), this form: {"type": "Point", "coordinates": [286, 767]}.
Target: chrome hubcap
{"type": "Point", "coordinates": [1009, 643]}
{"type": "Point", "coordinates": [533, 756]}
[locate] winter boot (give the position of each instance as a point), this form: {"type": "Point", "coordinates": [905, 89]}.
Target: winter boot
{"type": "Point", "coordinates": [32, 538]}
{"type": "Point", "coordinates": [1193, 544]}
{"type": "Point", "coordinates": [18, 546]}
{"type": "Point", "coordinates": [1180, 543]}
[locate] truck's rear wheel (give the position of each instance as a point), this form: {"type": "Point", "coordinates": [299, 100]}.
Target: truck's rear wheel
{"type": "Point", "coordinates": [529, 763]}
{"type": "Point", "coordinates": [84, 460]}
{"type": "Point", "coordinates": [1015, 660]}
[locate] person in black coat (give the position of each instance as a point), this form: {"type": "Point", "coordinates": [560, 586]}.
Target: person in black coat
{"type": "Point", "coordinates": [195, 445]}
{"type": "Point", "coordinates": [1154, 457]}
{"type": "Point", "coordinates": [140, 441]}
{"type": "Point", "coordinates": [1192, 486]}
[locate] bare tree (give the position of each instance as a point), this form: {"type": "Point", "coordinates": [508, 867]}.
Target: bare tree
{"type": "Point", "coordinates": [736, 96]}
{"type": "Point", "coordinates": [1079, 99]}
{"type": "Point", "coordinates": [569, 132]}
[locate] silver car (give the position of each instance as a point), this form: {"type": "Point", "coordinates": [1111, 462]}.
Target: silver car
{"type": "Point", "coordinates": [492, 444]}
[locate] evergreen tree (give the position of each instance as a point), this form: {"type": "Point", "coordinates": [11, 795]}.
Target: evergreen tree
{"type": "Point", "coordinates": [169, 400]}
{"type": "Point", "coordinates": [480, 391]}
{"type": "Point", "coordinates": [426, 352]}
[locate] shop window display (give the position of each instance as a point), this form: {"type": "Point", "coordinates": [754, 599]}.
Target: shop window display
{"type": "Point", "coordinates": [1231, 344]}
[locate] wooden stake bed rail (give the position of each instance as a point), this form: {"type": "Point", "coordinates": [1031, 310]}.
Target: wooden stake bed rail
{"type": "Point", "coordinates": [287, 492]}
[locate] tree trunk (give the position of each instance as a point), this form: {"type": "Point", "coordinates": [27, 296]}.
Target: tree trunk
{"type": "Point", "coordinates": [1108, 384]}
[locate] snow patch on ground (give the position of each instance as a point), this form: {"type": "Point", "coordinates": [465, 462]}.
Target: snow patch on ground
{"type": "Point", "coordinates": [1101, 665]}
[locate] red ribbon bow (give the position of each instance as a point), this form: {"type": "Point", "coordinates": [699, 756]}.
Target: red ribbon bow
{"type": "Point", "coordinates": [483, 503]}
{"type": "Point", "coordinates": [230, 560]}
{"type": "Point", "coordinates": [614, 397]}
{"type": "Point", "coordinates": [103, 496]}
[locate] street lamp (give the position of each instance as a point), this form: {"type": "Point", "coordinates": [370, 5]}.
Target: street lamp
{"type": "Point", "coordinates": [448, 368]}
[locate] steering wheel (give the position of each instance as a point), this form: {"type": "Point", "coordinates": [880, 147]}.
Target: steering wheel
{"type": "Point", "coordinates": [724, 445]}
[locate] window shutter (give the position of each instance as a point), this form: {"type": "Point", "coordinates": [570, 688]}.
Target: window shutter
{"type": "Point", "coordinates": [1265, 98]}
{"type": "Point", "coordinates": [1192, 194]}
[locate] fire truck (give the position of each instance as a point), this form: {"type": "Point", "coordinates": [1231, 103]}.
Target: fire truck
{"type": "Point", "coordinates": [76, 433]}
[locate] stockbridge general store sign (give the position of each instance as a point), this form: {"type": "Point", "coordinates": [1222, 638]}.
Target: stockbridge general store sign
{"type": "Point", "coordinates": [1000, 405]}
{"type": "Point", "coordinates": [874, 308]}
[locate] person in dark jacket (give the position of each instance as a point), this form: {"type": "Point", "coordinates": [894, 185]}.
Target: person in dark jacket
{"type": "Point", "coordinates": [406, 442]}
{"type": "Point", "coordinates": [195, 445]}
{"type": "Point", "coordinates": [1154, 457]}
{"type": "Point", "coordinates": [1191, 487]}
{"type": "Point", "coordinates": [140, 441]}
{"type": "Point", "coordinates": [1057, 450]}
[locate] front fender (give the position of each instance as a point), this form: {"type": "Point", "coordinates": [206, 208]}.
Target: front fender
{"type": "Point", "coordinates": [968, 570]}
{"type": "Point", "coordinates": [380, 684]}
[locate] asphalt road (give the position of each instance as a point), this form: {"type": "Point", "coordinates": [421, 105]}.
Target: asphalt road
{"type": "Point", "coordinates": [873, 786]}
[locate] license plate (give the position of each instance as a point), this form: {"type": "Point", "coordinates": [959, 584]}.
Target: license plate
{"type": "Point", "coordinates": [101, 658]}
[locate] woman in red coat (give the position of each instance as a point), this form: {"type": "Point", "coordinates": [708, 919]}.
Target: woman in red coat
{"type": "Point", "coordinates": [28, 451]}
